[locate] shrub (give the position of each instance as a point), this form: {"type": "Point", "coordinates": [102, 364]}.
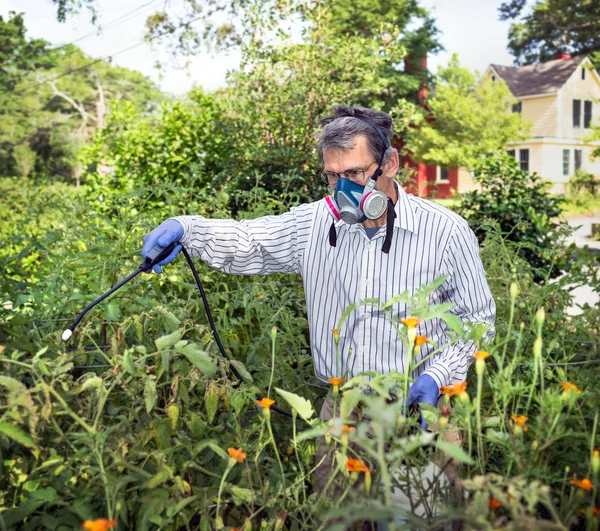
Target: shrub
{"type": "Point", "coordinates": [520, 204]}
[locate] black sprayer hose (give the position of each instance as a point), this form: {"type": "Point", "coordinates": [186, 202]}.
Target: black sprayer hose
{"type": "Point", "coordinates": [214, 328]}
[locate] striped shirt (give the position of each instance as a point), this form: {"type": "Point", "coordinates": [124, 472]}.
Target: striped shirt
{"type": "Point", "coordinates": [429, 241]}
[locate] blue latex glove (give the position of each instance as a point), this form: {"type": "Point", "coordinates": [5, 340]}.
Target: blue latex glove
{"type": "Point", "coordinates": [167, 232]}
{"type": "Point", "coordinates": [425, 389]}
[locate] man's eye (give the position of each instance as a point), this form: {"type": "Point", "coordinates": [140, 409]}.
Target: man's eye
{"type": "Point", "coordinates": [351, 174]}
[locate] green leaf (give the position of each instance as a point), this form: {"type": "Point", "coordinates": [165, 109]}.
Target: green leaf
{"type": "Point", "coordinates": [208, 443]}
{"type": "Point", "coordinates": [349, 401]}
{"type": "Point", "coordinates": [455, 452]}
{"type": "Point", "coordinates": [150, 394]}
{"type": "Point", "coordinates": [241, 368]}
{"type": "Point", "coordinates": [168, 341]}
{"type": "Point", "coordinates": [430, 414]}
{"type": "Point", "coordinates": [301, 405]}
{"type": "Point", "coordinates": [14, 433]}
{"type": "Point", "coordinates": [454, 323]}
{"type": "Point", "coordinates": [240, 495]}
{"type": "Point", "coordinates": [95, 382]}
{"type": "Point", "coordinates": [113, 313]}
{"type": "Point", "coordinates": [211, 401]}
{"type": "Point", "coordinates": [199, 359]}
{"type": "Point", "coordinates": [128, 363]}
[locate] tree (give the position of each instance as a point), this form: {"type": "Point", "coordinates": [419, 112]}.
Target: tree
{"type": "Point", "coordinates": [550, 26]}
{"type": "Point", "coordinates": [465, 118]}
{"type": "Point", "coordinates": [53, 100]}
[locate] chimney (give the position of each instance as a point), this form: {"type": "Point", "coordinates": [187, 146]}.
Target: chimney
{"type": "Point", "coordinates": [561, 55]}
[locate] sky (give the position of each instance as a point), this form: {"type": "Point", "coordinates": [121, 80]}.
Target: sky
{"type": "Point", "coordinates": [469, 28]}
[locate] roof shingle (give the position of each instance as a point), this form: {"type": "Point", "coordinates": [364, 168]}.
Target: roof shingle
{"type": "Point", "coordinates": [541, 78]}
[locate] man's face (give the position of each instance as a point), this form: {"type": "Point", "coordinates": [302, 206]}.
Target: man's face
{"type": "Point", "coordinates": [358, 162]}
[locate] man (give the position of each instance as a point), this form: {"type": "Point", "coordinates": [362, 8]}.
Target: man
{"type": "Point", "coordinates": [370, 239]}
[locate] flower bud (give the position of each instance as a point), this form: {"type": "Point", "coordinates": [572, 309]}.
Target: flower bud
{"type": "Point", "coordinates": [596, 462]}
{"type": "Point", "coordinates": [540, 316]}
{"type": "Point", "coordinates": [514, 290]}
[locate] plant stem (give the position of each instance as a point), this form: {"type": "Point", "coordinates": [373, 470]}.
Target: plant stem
{"type": "Point", "coordinates": [227, 470]}
{"type": "Point", "coordinates": [276, 451]}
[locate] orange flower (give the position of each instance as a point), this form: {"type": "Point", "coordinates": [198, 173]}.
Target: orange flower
{"type": "Point", "coordinates": [494, 504]}
{"type": "Point", "coordinates": [419, 340]}
{"type": "Point", "coordinates": [335, 381]}
{"type": "Point", "coordinates": [454, 389]}
{"type": "Point", "coordinates": [356, 465]}
{"type": "Point", "coordinates": [266, 402]}
{"type": "Point", "coordinates": [411, 322]}
{"type": "Point", "coordinates": [595, 510]}
{"type": "Point", "coordinates": [568, 387]}
{"type": "Point", "coordinates": [347, 429]}
{"type": "Point", "coordinates": [520, 421]}
{"type": "Point", "coordinates": [238, 454]}
{"type": "Point", "coordinates": [481, 355]}
{"type": "Point", "coordinates": [336, 335]}
{"type": "Point", "coordinates": [102, 524]}
{"type": "Point", "coordinates": [584, 484]}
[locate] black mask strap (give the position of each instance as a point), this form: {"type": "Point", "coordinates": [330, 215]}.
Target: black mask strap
{"type": "Point", "coordinates": [389, 231]}
{"type": "Point", "coordinates": [332, 235]}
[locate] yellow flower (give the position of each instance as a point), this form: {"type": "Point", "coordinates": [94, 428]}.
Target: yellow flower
{"type": "Point", "coordinates": [520, 421]}
{"type": "Point", "coordinates": [335, 381]}
{"type": "Point", "coordinates": [481, 355]}
{"type": "Point", "coordinates": [102, 524]}
{"type": "Point", "coordinates": [569, 387]}
{"type": "Point", "coordinates": [584, 484]}
{"type": "Point", "coordinates": [411, 322]}
{"type": "Point", "coordinates": [238, 454]}
{"type": "Point", "coordinates": [266, 402]}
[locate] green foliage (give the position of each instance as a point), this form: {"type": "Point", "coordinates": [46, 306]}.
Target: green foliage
{"type": "Point", "coordinates": [519, 202]}
{"type": "Point", "coordinates": [465, 118]}
{"type": "Point", "coordinates": [583, 182]}
{"type": "Point", "coordinates": [52, 103]}
{"type": "Point", "coordinates": [546, 27]}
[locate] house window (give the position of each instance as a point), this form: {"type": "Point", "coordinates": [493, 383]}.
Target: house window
{"type": "Point", "coordinates": [493, 78]}
{"type": "Point", "coordinates": [511, 153]}
{"type": "Point", "coordinates": [566, 161]}
{"type": "Point", "coordinates": [577, 153]}
{"type": "Point", "coordinates": [442, 174]}
{"type": "Point", "coordinates": [517, 107]}
{"type": "Point", "coordinates": [587, 114]}
{"type": "Point", "coordinates": [524, 159]}
{"type": "Point", "coordinates": [583, 72]}
{"type": "Point", "coordinates": [576, 113]}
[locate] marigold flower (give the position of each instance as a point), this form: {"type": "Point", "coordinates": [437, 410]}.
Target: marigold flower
{"type": "Point", "coordinates": [419, 340]}
{"type": "Point", "coordinates": [520, 421]}
{"type": "Point", "coordinates": [101, 524]}
{"type": "Point", "coordinates": [568, 387]}
{"type": "Point", "coordinates": [584, 484]}
{"type": "Point", "coordinates": [346, 428]}
{"type": "Point", "coordinates": [335, 381]}
{"type": "Point", "coordinates": [454, 389]}
{"type": "Point", "coordinates": [595, 510]}
{"type": "Point", "coordinates": [265, 402]}
{"type": "Point", "coordinates": [356, 465]}
{"type": "Point", "coordinates": [238, 454]}
{"type": "Point", "coordinates": [336, 335]}
{"type": "Point", "coordinates": [411, 322]}
{"type": "Point", "coordinates": [494, 504]}
{"type": "Point", "coordinates": [481, 355]}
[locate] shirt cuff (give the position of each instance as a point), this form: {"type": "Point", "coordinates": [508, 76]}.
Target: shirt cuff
{"type": "Point", "coordinates": [187, 224]}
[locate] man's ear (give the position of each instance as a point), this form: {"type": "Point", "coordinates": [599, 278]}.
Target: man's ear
{"type": "Point", "coordinates": [392, 166]}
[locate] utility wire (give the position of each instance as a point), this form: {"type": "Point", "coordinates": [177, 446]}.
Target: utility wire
{"type": "Point", "coordinates": [111, 24]}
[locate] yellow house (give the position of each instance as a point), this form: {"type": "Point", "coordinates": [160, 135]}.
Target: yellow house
{"type": "Point", "coordinates": [562, 99]}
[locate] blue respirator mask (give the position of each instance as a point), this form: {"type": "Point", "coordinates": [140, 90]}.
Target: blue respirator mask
{"type": "Point", "coordinates": [353, 203]}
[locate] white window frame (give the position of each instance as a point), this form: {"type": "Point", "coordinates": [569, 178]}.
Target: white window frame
{"type": "Point", "coordinates": [438, 175]}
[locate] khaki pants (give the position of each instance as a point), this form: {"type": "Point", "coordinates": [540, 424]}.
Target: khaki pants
{"type": "Point", "coordinates": [325, 455]}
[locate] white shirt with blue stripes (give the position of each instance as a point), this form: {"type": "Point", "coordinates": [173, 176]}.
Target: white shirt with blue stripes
{"type": "Point", "coordinates": [428, 241]}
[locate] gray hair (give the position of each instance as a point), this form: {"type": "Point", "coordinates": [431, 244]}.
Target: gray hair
{"type": "Point", "coordinates": [341, 130]}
